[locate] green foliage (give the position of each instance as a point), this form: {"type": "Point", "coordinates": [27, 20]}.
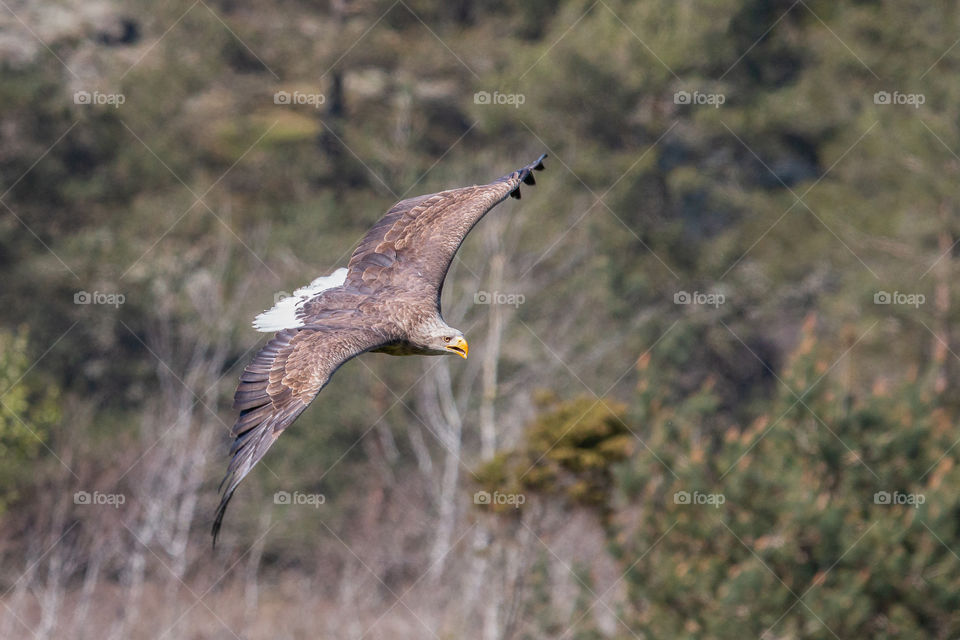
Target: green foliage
{"type": "Point", "coordinates": [800, 514]}
{"type": "Point", "coordinates": [569, 451]}
{"type": "Point", "coordinates": [28, 410]}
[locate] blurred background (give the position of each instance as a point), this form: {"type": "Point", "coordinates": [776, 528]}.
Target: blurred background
{"type": "Point", "coordinates": [711, 387]}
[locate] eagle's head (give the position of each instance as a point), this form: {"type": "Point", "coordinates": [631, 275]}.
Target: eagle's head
{"type": "Point", "coordinates": [455, 343]}
{"type": "Point", "coordinates": [438, 338]}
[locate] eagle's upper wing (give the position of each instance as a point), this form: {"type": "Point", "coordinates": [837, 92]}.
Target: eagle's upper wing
{"type": "Point", "coordinates": [411, 247]}
{"type": "Point", "coordinates": [280, 382]}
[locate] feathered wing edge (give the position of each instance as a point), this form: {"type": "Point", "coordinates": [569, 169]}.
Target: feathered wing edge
{"type": "Point", "coordinates": [524, 175]}
{"type": "Point", "coordinates": [277, 386]}
{"type": "Point", "coordinates": [261, 419]}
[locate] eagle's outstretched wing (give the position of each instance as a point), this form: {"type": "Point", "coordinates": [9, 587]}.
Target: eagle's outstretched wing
{"type": "Point", "coordinates": [279, 384]}
{"type": "Point", "coordinates": [412, 246]}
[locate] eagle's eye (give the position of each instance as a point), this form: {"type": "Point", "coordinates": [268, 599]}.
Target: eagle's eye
{"type": "Point", "coordinates": [447, 339]}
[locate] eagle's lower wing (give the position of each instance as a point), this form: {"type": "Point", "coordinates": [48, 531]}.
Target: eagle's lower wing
{"type": "Point", "coordinates": [277, 386]}
{"type": "Point", "coordinates": [412, 246]}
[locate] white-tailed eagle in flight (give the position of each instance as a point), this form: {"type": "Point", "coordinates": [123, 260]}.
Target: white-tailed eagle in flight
{"type": "Point", "coordinates": [387, 300]}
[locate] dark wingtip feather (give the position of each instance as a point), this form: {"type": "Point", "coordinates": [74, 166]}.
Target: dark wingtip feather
{"type": "Point", "coordinates": [244, 458]}
{"type": "Point", "coordinates": [256, 430]}
{"type": "Point", "coordinates": [218, 519]}
{"type": "Point", "coordinates": [523, 174]}
{"type": "Point", "coordinates": [232, 481]}
{"type": "Point", "coordinates": [526, 175]}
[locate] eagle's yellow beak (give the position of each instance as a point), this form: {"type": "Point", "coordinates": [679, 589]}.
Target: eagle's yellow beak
{"type": "Point", "coordinates": [460, 347]}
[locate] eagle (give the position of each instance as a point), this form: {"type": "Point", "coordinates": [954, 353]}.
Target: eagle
{"type": "Point", "coordinates": [386, 300]}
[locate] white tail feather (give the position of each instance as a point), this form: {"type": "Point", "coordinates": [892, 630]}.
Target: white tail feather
{"type": "Point", "coordinates": [283, 315]}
